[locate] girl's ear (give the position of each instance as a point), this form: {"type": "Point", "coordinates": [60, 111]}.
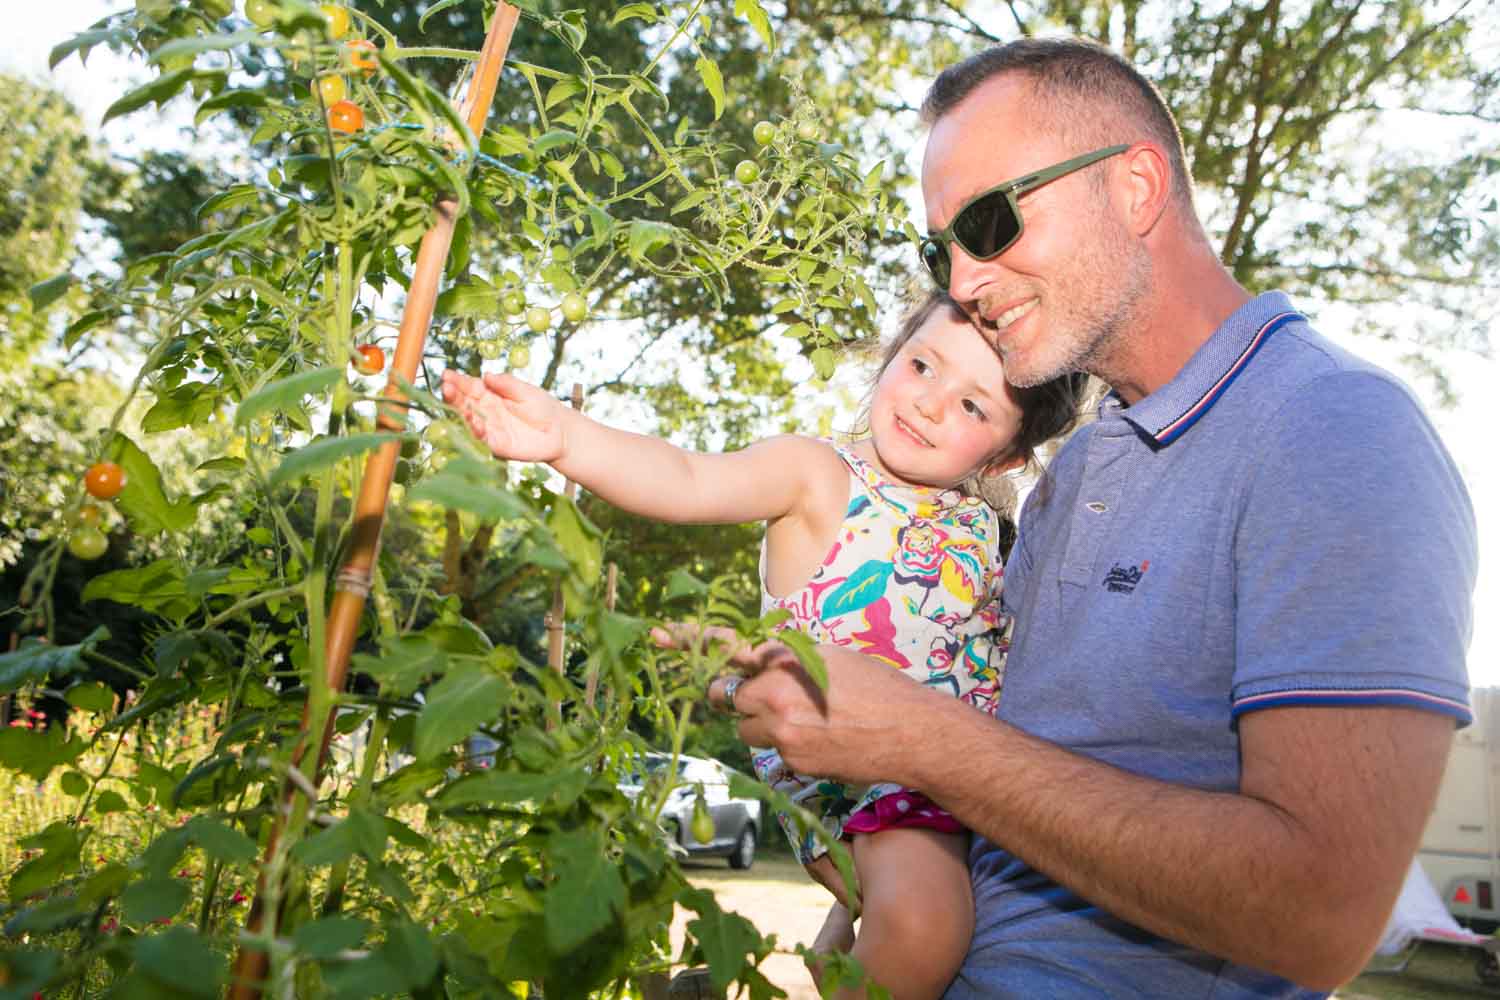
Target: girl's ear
{"type": "Point", "coordinates": [1003, 464]}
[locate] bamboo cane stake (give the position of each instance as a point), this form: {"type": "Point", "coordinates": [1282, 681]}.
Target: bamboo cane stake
{"type": "Point", "coordinates": [352, 585]}
{"type": "Point", "coordinates": [557, 616]}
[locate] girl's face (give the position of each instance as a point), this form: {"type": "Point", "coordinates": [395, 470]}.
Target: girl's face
{"type": "Point", "coordinates": [942, 409]}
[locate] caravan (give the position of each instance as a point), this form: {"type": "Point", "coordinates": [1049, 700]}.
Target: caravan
{"type": "Point", "coordinates": [1461, 846]}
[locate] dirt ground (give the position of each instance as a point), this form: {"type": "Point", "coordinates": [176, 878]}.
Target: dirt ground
{"type": "Point", "coordinates": [777, 897]}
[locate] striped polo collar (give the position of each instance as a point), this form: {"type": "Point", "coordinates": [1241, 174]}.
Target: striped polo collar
{"type": "Point", "coordinates": [1167, 413]}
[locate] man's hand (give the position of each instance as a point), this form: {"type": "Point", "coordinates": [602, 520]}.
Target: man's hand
{"type": "Point", "coordinates": [514, 419]}
{"type": "Point", "coordinates": [867, 727]}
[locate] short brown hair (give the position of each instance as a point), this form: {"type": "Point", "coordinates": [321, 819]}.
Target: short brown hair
{"type": "Point", "coordinates": [1048, 410]}
{"type": "Point", "coordinates": [1092, 95]}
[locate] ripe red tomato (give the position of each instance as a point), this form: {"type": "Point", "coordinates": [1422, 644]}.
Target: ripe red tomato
{"type": "Point", "coordinates": [371, 360]}
{"type": "Point", "coordinates": [104, 480]}
{"type": "Point", "coordinates": [87, 543]}
{"type": "Point", "coordinates": [360, 53]}
{"type": "Point", "coordinates": [346, 116]}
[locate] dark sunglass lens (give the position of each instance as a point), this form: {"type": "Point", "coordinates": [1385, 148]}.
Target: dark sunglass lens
{"type": "Point", "coordinates": [935, 256]}
{"type": "Point", "coordinates": [987, 226]}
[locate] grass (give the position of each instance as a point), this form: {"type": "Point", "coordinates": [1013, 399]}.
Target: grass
{"type": "Point", "coordinates": [1435, 972]}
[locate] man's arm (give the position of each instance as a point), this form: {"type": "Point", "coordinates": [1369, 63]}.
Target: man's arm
{"type": "Point", "coordinates": [1294, 874]}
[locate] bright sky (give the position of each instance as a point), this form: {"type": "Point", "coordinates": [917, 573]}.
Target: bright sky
{"type": "Point", "coordinates": [1464, 428]}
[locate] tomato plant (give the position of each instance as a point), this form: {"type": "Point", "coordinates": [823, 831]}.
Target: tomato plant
{"type": "Point", "coordinates": [471, 834]}
{"type": "Point", "coordinates": [764, 133]}
{"type": "Point", "coordinates": [746, 171]}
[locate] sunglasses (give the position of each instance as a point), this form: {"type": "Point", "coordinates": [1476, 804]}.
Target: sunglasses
{"type": "Point", "coordinates": [990, 222]}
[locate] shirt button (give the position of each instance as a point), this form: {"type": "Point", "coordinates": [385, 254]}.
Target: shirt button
{"type": "Point", "coordinates": [1098, 507]}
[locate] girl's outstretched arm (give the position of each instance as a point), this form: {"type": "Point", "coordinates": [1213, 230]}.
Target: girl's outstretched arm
{"type": "Point", "coordinates": [644, 475]}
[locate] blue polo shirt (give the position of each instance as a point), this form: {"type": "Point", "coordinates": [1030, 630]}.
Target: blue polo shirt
{"type": "Point", "coordinates": [1278, 525]}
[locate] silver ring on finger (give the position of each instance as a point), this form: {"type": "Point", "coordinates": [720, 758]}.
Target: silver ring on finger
{"type": "Point", "coordinates": [730, 686]}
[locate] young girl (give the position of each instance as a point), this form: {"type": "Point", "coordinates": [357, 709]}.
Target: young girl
{"type": "Point", "coordinates": [885, 546]}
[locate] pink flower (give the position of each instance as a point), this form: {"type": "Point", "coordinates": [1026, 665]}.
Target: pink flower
{"type": "Point", "coordinates": [238, 897]}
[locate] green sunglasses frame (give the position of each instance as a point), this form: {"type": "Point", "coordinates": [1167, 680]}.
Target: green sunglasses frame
{"type": "Point", "coordinates": [1012, 189]}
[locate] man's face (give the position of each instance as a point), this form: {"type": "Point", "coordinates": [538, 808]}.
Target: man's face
{"type": "Point", "coordinates": [1062, 297]}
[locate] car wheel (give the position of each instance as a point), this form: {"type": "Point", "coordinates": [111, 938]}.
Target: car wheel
{"type": "Point", "coordinates": [744, 849]}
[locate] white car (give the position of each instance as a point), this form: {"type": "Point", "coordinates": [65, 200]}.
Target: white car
{"type": "Point", "coordinates": [737, 822]}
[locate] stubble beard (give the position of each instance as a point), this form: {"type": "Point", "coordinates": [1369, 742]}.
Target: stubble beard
{"type": "Point", "coordinates": [1092, 325]}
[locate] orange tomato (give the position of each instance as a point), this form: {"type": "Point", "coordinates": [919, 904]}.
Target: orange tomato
{"type": "Point", "coordinates": [360, 54]}
{"type": "Point", "coordinates": [345, 116]}
{"type": "Point", "coordinates": [104, 480]}
{"type": "Point", "coordinates": [371, 360]}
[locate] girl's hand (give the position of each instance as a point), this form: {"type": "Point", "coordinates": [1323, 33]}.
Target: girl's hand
{"type": "Point", "coordinates": [514, 419]}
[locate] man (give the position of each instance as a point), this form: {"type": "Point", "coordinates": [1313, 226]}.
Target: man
{"type": "Point", "coordinates": [1243, 595]}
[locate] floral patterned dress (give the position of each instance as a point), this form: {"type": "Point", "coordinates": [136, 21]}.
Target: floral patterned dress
{"type": "Point", "coordinates": [913, 578]}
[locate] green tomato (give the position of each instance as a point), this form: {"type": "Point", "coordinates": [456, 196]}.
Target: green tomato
{"type": "Point", "coordinates": [764, 132]}
{"type": "Point", "coordinates": [262, 13]}
{"type": "Point", "coordinates": [154, 9]}
{"type": "Point", "coordinates": [520, 356]}
{"type": "Point", "coordinates": [216, 8]}
{"type": "Point", "coordinates": [513, 303]}
{"type": "Point", "coordinates": [575, 308]}
{"type": "Point", "coordinates": [87, 542]}
{"type": "Point", "coordinates": [808, 131]}
{"type": "Point", "coordinates": [746, 171]}
{"type": "Point", "coordinates": [702, 825]}
{"type": "Point", "coordinates": [410, 447]}
{"type": "Point", "coordinates": [538, 320]}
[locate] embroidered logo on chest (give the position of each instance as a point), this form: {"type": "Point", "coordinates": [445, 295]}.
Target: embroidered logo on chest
{"type": "Point", "coordinates": [1123, 579]}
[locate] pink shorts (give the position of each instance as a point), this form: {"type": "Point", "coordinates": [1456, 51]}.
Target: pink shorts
{"type": "Point", "coordinates": [902, 809]}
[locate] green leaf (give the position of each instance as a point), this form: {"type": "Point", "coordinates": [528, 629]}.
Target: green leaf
{"type": "Point", "coordinates": [110, 801]}
{"type": "Point", "coordinates": [84, 41]}
{"type": "Point", "coordinates": [582, 543]}
{"type": "Point", "coordinates": [177, 47]}
{"type": "Point", "coordinates": [561, 91]}
{"type": "Point", "coordinates": [469, 696]}
{"type": "Point", "coordinates": [469, 485]}
{"type": "Point", "coordinates": [221, 841]}
{"type": "Point", "coordinates": [154, 899]}
{"type": "Point", "coordinates": [327, 937]}
{"type": "Point", "coordinates": [179, 958]}
{"type": "Point", "coordinates": [90, 697]}
{"type": "Point", "coordinates": [402, 664]}
{"type": "Point", "coordinates": [469, 300]}
{"type": "Point", "coordinates": [157, 587]}
{"type": "Point", "coordinates": [232, 197]}
{"type": "Point", "coordinates": [643, 11]}
{"type": "Point", "coordinates": [189, 404]}
{"type": "Point", "coordinates": [286, 393]}
{"type": "Point", "coordinates": [227, 101]}
{"type": "Point", "coordinates": [643, 236]}
{"type": "Point", "coordinates": [683, 584]}
{"type": "Point", "coordinates": [698, 197]}
{"type": "Point", "coordinates": [35, 752]}
{"type": "Point", "coordinates": [752, 11]}
{"type": "Point", "coordinates": [158, 91]}
{"type": "Point", "coordinates": [806, 651]}
{"type": "Point", "coordinates": [88, 321]}
{"type": "Point", "coordinates": [409, 949]}
{"type": "Point", "coordinates": [497, 788]}
{"type": "Point", "coordinates": [551, 140]}
{"type": "Point", "coordinates": [587, 894]}
{"type": "Point", "coordinates": [359, 832]}
{"type": "Point", "coordinates": [713, 82]}
{"type": "Point", "coordinates": [823, 362]}
{"type": "Point", "coordinates": [725, 938]}
{"type": "Point", "coordinates": [36, 660]}
{"type": "Point", "coordinates": [44, 293]}
{"type": "Point", "coordinates": [144, 501]}
{"type": "Point", "coordinates": [327, 451]}
{"type": "Point", "coordinates": [61, 849]}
